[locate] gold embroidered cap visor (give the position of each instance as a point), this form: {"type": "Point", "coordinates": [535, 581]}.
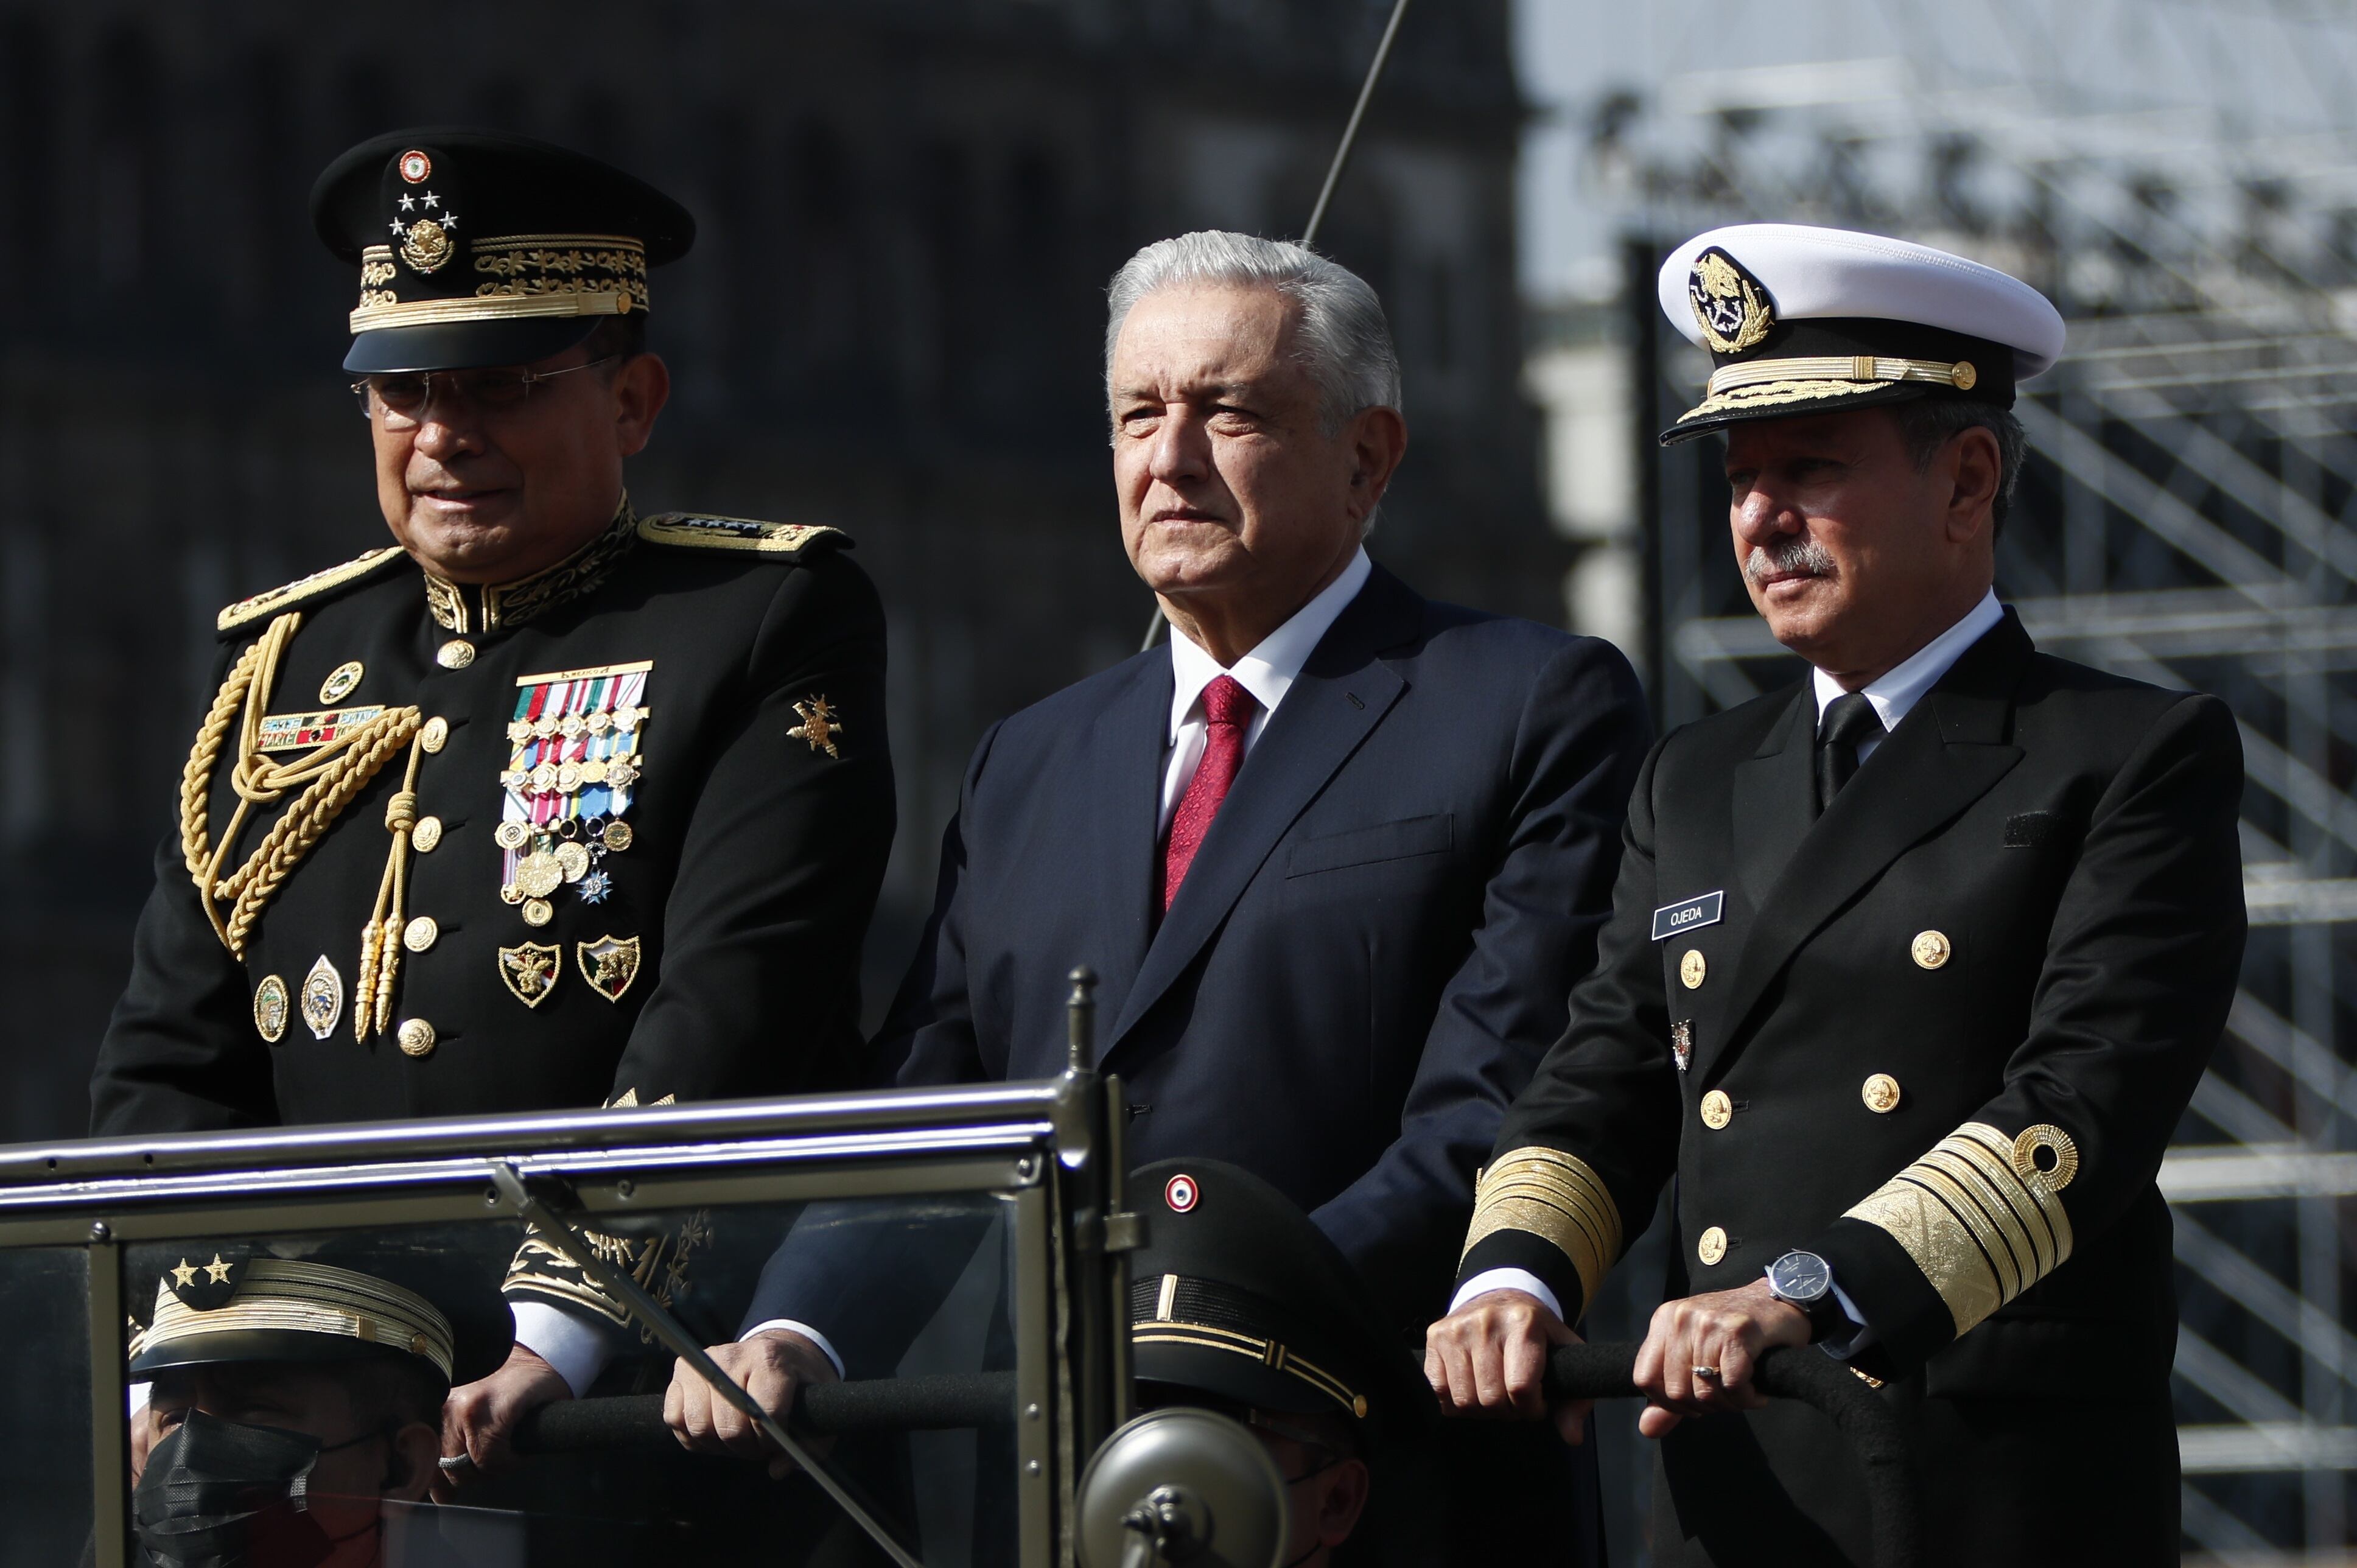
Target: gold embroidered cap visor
{"type": "Point", "coordinates": [477, 248]}
{"type": "Point", "coordinates": [1801, 320]}
{"type": "Point", "coordinates": [282, 1309]}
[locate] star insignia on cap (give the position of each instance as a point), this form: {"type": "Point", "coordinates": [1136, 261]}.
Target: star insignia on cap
{"type": "Point", "coordinates": [819, 726]}
{"type": "Point", "coordinates": [184, 1275]}
{"type": "Point", "coordinates": [217, 1271]}
{"type": "Point", "coordinates": [407, 204]}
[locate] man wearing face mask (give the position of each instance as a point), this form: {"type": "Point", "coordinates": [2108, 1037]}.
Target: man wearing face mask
{"type": "Point", "coordinates": [292, 1403]}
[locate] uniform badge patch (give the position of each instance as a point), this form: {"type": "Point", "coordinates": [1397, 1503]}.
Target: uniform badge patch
{"type": "Point", "coordinates": [529, 970]}
{"type": "Point", "coordinates": [609, 965]}
{"type": "Point", "coordinates": [340, 682]}
{"type": "Point", "coordinates": [270, 1008]}
{"type": "Point", "coordinates": [296, 732]}
{"type": "Point", "coordinates": [1731, 305]}
{"type": "Point", "coordinates": [1704, 909]}
{"type": "Point", "coordinates": [574, 764]}
{"type": "Point", "coordinates": [819, 726]}
{"type": "Point", "coordinates": [1682, 1043]}
{"type": "Point", "coordinates": [323, 998]}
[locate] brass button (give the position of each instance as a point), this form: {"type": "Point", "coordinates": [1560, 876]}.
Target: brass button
{"type": "Point", "coordinates": [455, 654]}
{"type": "Point", "coordinates": [1931, 949]}
{"type": "Point", "coordinates": [1717, 1110]}
{"type": "Point", "coordinates": [538, 912]}
{"type": "Point", "coordinates": [425, 834]}
{"type": "Point", "coordinates": [1881, 1093]}
{"type": "Point", "coordinates": [1710, 1248]}
{"type": "Point", "coordinates": [1691, 968]}
{"type": "Point", "coordinates": [419, 934]}
{"type": "Point", "coordinates": [437, 733]}
{"type": "Point", "coordinates": [416, 1038]}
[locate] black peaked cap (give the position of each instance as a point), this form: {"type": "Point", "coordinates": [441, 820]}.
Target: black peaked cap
{"type": "Point", "coordinates": [479, 247]}
{"type": "Point", "coordinates": [1238, 1296]}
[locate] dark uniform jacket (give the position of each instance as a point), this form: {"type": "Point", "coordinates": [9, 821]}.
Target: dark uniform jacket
{"type": "Point", "coordinates": [680, 727]}
{"type": "Point", "coordinates": [1939, 1036]}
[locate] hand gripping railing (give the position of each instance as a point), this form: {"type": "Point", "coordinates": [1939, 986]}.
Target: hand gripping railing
{"type": "Point", "coordinates": [943, 1403]}
{"type": "Point", "coordinates": [1609, 1371]}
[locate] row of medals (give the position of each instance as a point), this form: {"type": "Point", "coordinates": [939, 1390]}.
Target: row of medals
{"type": "Point", "coordinates": [565, 850]}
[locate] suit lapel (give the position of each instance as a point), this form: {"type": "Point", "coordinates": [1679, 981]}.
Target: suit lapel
{"type": "Point", "coordinates": [1341, 694]}
{"type": "Point", "coordinates": [1774, 791]}
{"type": "Point", "coordinates": [1945, 755]}
{"type": "Point", "coordinates": [1130, 735]}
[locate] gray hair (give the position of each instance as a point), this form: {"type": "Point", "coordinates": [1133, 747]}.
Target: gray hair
{"type": "Point", "coordinates": [1928, 424]}
{"type": "Point", "coordinates": [1345, 342]}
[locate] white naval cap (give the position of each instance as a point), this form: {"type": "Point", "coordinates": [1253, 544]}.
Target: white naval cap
{"type": "Point", "coordinates": [1801, 319]}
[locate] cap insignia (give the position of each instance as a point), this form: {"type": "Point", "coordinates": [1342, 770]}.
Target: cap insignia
{"type": "Point", "coordinates": [426, 242]}
{"type": "Point", "coordinates": [205, 1284]}
{"type": "Point", "coordinates": [1732, 305]}
{"type": "Point", "coordinates": [416, 166]}
{"type": "Point", "coordinates": [1180, 1193]}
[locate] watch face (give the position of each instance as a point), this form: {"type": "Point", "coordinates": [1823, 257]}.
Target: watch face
{"type": "Point", "coordinates": [1801, 1276]}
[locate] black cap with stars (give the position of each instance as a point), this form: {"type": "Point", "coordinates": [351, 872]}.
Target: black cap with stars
{"type": "Point", "coordinates": [480, 248]}
{"type": "Point", "coordinates": [1239, 1296]}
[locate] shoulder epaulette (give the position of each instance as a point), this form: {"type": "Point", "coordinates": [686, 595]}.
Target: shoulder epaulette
{"type": "Point", "coordinates": [695, 530]}
{"type": "Point", "coordinates": [246, 611]}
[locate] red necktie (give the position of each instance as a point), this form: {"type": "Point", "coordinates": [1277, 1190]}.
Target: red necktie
{"type": "Point", "coordinates": [1228, 708]}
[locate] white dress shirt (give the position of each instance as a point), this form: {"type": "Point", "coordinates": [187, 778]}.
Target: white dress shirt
{"type": "Point", "coordinates": [1894, 696]}
{"type": "Point", "coordinates": [1268, 672]}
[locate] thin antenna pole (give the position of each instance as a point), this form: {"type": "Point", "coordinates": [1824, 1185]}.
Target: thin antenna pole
{"type": "Point", "coordinates": [1325, 197]}
{"type": "Point", "coordinates": [1351, 131]}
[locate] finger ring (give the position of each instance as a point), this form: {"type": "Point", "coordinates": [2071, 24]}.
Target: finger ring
{"type": "Point", "coordinates": [1705, 1374]}
{"type": "Point", "coordinates": [455, 1464]}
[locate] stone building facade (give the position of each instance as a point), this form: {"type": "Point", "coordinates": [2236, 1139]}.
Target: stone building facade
{"type": "Point", "coordinates": [892, 322]}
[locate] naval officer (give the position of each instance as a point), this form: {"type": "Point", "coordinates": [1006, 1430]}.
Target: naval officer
{"type": "Point", "coordinates": [1912, 967]}
{"type": "Point", "coordinates": [544, 803]}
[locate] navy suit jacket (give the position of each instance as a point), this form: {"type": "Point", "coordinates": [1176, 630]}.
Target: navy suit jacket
{"type": "Point", "coordinates": [1371, 950]}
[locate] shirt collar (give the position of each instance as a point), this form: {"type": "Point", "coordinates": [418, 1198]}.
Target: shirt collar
{"type": "Point", "coordinates": [1269, 671]}
{"type": "Point", "coordinates": [1897, 692]}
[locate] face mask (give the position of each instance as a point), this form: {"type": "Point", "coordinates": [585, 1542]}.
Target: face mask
{"type": "Point", "coordinates": [219, 1494]}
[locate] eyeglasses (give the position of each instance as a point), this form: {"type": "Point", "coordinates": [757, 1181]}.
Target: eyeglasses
{"type": "Point", "coordinates": [402, 398]}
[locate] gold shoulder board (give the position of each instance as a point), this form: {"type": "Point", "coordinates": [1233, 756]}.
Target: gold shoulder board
{"type": "Point", "coordinates": [697, 530]}
{"type": "Point", "coordinates": [246, 611]}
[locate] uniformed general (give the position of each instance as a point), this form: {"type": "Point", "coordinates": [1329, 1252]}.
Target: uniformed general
{"type": "Point", "coordinates": [1912, 968]}
{"type": "Point", "coordinates": [544, 804]}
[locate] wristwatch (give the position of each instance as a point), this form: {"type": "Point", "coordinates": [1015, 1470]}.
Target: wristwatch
{"type": "Point", "coordinates": [1807, 1281]}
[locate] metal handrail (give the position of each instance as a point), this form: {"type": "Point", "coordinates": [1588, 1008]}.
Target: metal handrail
{"type": "Point", "coordinates": [1609, 1371]}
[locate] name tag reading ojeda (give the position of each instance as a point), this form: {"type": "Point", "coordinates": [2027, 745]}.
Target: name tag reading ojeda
{"type": "Point", "coordinates": [1692, 915]}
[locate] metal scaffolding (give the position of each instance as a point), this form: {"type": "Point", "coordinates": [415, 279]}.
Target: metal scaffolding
{"type": "Point", "coordinates": [2188, 518]}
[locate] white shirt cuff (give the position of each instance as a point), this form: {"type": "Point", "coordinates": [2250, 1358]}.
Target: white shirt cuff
{"type": "Point", "coordinates": [577, 1352]}
{"type": "Point", "coordinates": [805, 1330]}
{"type": "Point", "coordinates": [1861, 1336]}
{"type": "Point", "coordinates": [1522, 1279]}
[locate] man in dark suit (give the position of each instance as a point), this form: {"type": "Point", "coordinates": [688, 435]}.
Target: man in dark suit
{"type": "Point", "coordinates": [1911, 970]}
{"type": "Point", "coordinates": [1337, 852]}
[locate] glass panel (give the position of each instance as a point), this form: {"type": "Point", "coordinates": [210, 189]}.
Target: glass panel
{"type": "Point", "coordinates": [264, 1331]}
{"type": "Point", "coordinates": [44, 1437]}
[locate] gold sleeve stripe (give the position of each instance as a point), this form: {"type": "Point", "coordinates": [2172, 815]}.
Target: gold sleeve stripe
{"type": "Point", "coordinates": [1557, 1198]}
{"type": "Point", "coordinates": [1983, 1223]}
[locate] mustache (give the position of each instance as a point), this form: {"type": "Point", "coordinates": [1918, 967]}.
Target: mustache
{"type": "Point", "coordinates": [1803, 555]}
